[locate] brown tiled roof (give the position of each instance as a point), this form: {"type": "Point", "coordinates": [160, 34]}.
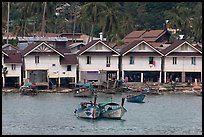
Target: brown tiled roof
{"type": "Point", "coordinates": [129, 46]}
{"type": "Point", "coordinates": [175, 44]}
{"type": "Point", "coordinates": [133, 44]}
{"type": "Point", "coordinates": [185, 54]}
{"type": "Point", "coordinates": [147, 35]}
{"type": "Point", "coordinates": [91, 44]}
{"type": "Point", "coordinates": [120, 46]}
{"type": "Point", "coordinates": [87, 46]}
{"type": "Point", "coordinates": [29, 47]}
{"type": "Point", "coordinates": [198, 47]}
{"type": "Point", "coordinates": [135, 34]}
{"type": "Point", "coordinates": [69, 59]}
{"type": "Point", "coordinates": [111, 44]}
{"type": "Point", "coordinates": [63, 50]}
{"type": "Point", "coordinates": [155, 44]}
{"type": "Point", "coordinates": [13, 57]}
{"type": "Point", "coordinates": [152, 33]}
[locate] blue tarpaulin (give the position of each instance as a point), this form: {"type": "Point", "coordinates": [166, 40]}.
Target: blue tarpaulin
{"type": "Point", "coordinates": [83, 85]}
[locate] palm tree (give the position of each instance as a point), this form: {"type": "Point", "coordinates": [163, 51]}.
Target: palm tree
{"type": "Point", "coordinates": [90, 11]}
{"type": "Point", "coordinates": [21, 17]}
{"type": "Point", "coordinates": [43, 19]}
{"type": "Point", "coordinates": [109, 18]}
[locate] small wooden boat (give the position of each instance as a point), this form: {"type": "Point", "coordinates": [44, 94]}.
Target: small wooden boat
{"type": "Point", "coordinates": [136, 98]}
{"type": "Point", "coordinates": [197, 90]}
{"type": "Point", "coordinates": [28, 89]}
{"type": "Point", "coordinates": [83, 92]}
{"type": "Point", "coordinates": [88, 110]}
{"type": "Point", "coordinates": [112, 110]}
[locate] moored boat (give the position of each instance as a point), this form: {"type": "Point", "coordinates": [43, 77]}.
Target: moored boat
{"type": "Point", "coordinates": [84, 90]}
{"type": "Point", "coordinates": [112, 110]}
{"type": "Point", "coordinates": [136, 98]}
{"type": "Point", "coordinates": [28, 89]}
{"type": "Point", "coordinates": [197, 90]}
{"type": "Point", "coordinates": [88, 110]}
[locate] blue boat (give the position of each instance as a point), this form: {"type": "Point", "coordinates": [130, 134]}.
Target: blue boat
{"type": "Point", "coordinates": [136, 98]}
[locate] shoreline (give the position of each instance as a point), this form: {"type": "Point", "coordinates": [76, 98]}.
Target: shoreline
{"type": "Point", "coordinates": [16, 90]}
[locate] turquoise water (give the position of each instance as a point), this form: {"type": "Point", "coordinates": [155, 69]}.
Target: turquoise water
{"type": "Point", "coordinates": [53, 114]}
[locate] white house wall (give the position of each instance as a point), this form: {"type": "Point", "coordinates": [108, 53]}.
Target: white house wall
{"type": "Point", "coordinates": [61, 71]}
{"type": "Point", "coordinates": [98, 62]}
{"type": "Point", "coordinates": [46, 63]}
{"type": "Point", "coordinates": [183, 64]}
{"type": "Point", "coordinates": [141, 63]}
{"type": "Point", "coordinates": [13, 73]}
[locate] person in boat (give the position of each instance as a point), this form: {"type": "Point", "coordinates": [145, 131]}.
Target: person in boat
{"type": "Point", "coordinates": [91, 102]}
{"type": "Point", "coordinates": [83, 105]}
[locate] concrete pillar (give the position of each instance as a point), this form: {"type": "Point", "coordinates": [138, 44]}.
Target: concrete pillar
{"type": "Point", "coordinates": [59, 81]}
{"type": "Point", "coordinates": [183, 76]}
{"type": "Point", "coordinates": [142, 79]}
{"type": "Point", "coordinates": [80, 77]}
{"type": "Point", "coordinates": [3, 81]}
{"type": "Point", "coordinates": [19, 80]}
{"type": "Point", "coordinates": [160, 74]}
{"type": "Point", "coordinates": [26, 74]}
{"type": "Point", "coordinates": [118, 75]}
{"type": "Point", "coordinates": [164, 77]}
{"type": "Point", "coordinates": [123, 75]}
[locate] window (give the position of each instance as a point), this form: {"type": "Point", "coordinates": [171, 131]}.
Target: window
{"type": "Point", "coordinates": [36, 59]}
{"type": "Point", "coordinates": [88, 59]}
{"type": "Point", "coordinates": [131, 60]}
{"type": "Point", "coordinates": [13, 66]}
{"type": "Point", "coordinates": [193, 60]}
{"type": "Point", "coordinates": [69, 68]}
{"type": "Point", "coordinates": [107, 61]}
{"type": "Point", "coordinates": [151, 60]}
{"type": "Point", "coordinates": [174, 60]}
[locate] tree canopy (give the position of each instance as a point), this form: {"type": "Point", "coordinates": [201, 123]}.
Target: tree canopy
{"type": "Point", "coordinates": [114, 19]}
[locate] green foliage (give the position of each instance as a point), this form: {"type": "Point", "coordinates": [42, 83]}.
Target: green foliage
{"type": "Point", "coordinates": [13, 42]}
{"type": "Point", "coordinates": [114, 19]}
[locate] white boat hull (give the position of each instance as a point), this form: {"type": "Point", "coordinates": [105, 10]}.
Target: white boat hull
{"type": "Point", "coordinates": [115, 113]}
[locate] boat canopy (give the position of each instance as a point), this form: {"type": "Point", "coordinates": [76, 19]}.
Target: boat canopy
{"type": "Point", "coordinates": [27, 84]}
{"type": "Point", "coordinates": [108, 103]}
